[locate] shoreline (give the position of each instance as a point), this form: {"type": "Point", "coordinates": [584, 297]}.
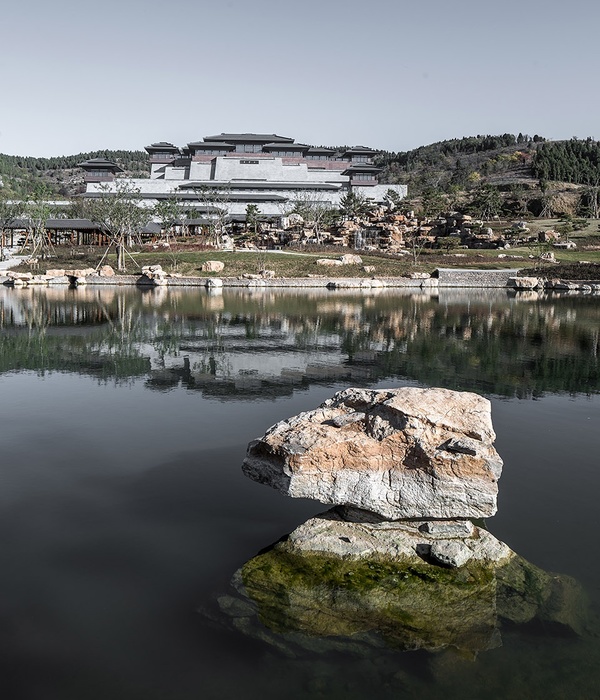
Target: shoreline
{"type": "Point", "coordinates": [443, 278]}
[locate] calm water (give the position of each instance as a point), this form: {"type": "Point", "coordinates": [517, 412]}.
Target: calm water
{"type": "Point", "coordinates": [124, 513]}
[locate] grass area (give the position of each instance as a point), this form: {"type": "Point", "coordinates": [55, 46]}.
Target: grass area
{"type": "Point", "coordinates": [189, 263]}
{"type": "Point", "coordinates": [187, 259]}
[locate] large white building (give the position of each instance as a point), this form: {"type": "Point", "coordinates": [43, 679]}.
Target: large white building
{"type": "Point", "coordinates": [235, 170]}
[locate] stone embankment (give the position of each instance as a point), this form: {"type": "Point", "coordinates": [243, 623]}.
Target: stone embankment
{"type": "Point", "coordinates": [155, 276]}
{"type": "Point", "coordinates": [557, 285]}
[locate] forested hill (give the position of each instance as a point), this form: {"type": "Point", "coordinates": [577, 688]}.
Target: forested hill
{"type": "Point", "coordinates": [456, 166]}
{"type": "Point", "coordinates": [60, 174]}
{"type": "Point", "coordinates": [461, 164]}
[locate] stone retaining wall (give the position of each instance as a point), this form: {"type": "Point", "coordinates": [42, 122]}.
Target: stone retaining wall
{"type": "Point", "coordinates": [448, 277]}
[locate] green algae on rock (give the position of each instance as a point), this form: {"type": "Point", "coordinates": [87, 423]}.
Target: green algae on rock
{"type": "Point", "coordinates": [404, 601]}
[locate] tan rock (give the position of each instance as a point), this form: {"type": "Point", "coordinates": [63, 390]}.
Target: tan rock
{"type": "Point", "coordinates": [328, 262]}
{"type": "Point", "coordinates": [523, 282]}
{"type": "Point", "coordinates": [213, 266]}
{"type": "Point", "coordinates": [350, 259]}
{"type": "Point", "coordinates": [402, 453]}
{"type": "Point", "coordinates": [80, 272]}
{"type": "Point", "coordinates": [106, 271]}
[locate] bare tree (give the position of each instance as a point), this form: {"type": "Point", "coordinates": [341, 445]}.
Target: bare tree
{"type": "Point", "coordinates": [215, 201]}
{"type": "Point", "coordinates": [120, 215]}
{"type": "Point", "coordinates": [38, 210]}
{"type": "Point", "coordinates": [168, 214]}
{"type": "Point", "coordinates": [315, 212]}
{"type": "Point", "coordinates": [10, 210]}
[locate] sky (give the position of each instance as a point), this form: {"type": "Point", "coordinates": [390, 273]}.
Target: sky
{"type": "Point", "coordinates": [82, 76]}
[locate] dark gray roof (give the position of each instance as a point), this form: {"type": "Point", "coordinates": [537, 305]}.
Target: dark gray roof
{"type": "Point", "coordinates": [18, 223]}
{"type": "Point", "coordinates": [359, 149]}
{"type": "Point", "coordinates": [73, 225]}
{"type": "Point", "coordinates": [162, 146]}
{"type": "Point", "coordinates": [99, 164]}
{"type": "Point", "coordinates": [322, 149]}
{"type": "Point", "coordinates": [362, 168]}
{"type": "Point", "coordinates": [210, 144]}
{"type": "Point", "coordinates": [291, 146]}
{"type": "Point", "coordinates": [202, 221]}
{"type": "Point", "coordinates": [251, 138]}
{"type": "Point", "coordinates": [152, 227]}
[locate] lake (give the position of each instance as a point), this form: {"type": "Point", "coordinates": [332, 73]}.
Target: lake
{"type": "Point", "coordinates": [125, 515]}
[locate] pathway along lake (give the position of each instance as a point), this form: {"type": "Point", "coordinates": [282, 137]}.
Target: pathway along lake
{"type": "Point", "coordinates": [124, 512]}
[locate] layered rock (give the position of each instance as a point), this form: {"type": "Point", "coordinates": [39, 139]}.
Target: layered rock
{"type": "Point", "coordinates": [398, 562]}
{"type": "Point", "coordinates": [402, 453]}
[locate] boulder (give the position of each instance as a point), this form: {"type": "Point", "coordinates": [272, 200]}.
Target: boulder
{"type": "Point", "coordinates": [333, 582]}
{"type": "Point", "coordinates": [328, 262]}
{"type": "Point", "coordinates": [369, 268]}
{"type": "Point", "coordinates": [55, 273]}
{"type": "Point", "coordinates": [154, 274]}
{"type": "Point", "coordinates": [214, 282]}
{"type": "Point", "coordinates": [80, 272]}
{"type": "Point", "coordinates": [350, 259]}
{"type": "Point", "coordinates": [106, 271]}
{"type": "Point", "coordinates": [213, 266]}
{"type": "Point", "coordinates": [523, 282]}
{"type": "Point", "coordinates": [401, 453]}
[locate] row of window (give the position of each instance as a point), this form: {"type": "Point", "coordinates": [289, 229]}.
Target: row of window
{"type": "Point", "coordinates": [211, 152]}
{"type": "Point", "coordinates": [277, 154]}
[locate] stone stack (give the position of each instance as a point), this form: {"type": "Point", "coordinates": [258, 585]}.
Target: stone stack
{"type": "Point", "coordinates": [409, 466]}
{"type": "Point", "coordinates": [399, 556]}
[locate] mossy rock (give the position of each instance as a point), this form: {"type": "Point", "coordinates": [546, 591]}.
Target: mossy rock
{"type": "Point", "coordinates": [410, 603]}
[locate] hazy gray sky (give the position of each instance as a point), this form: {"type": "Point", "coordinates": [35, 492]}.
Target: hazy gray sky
{"type": "Point", "coordinates": [80, 75]}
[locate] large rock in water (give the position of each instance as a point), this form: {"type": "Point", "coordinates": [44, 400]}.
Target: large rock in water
{"type": "Point", "coordinates": [401, 453]}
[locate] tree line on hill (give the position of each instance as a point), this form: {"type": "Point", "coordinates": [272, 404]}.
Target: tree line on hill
{"type": "Point", "coordinates": [20, 174]}
{"type": "Point", "coordinates": [576, 161]}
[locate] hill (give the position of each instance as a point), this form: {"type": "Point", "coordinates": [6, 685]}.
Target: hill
{"type": "Point", "coordinates": [21, 174]}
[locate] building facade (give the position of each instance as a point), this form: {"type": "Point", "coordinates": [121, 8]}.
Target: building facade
{"type": "Point", "coordinates": [235, 170]}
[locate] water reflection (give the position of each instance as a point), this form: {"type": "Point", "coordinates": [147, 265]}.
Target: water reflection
{"type": "Point", "coordinates": [257, 343]}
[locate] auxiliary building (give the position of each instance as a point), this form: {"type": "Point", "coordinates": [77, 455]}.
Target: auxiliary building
{"type": "Point", "coordinates": [232, 171]}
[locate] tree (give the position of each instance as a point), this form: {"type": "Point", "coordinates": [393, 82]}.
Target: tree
{"type": "Point", "coordinates": [215, 203]}
{"type": "Point", "coordinates": [316, 212]}
{"type": "Point", "coordinates": [432, 202]}
{"type": "Point", "coordinates": [38, 210]}
{"type": "Point", "coordinates": [487, 202]}
{"type": "Point", "coordinates": [10, 210]}
{"type": "Point", "coordinates": [356, 204]}
{"type": "Point", "coordinates": [119, 213]}
{"type": "Point", "coordinates": [168, 213]}
{"type": "Point", "coordinates": [252, 217]}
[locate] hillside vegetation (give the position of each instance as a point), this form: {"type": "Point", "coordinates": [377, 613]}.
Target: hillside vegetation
{"type": "Point", "coordinates": [60, 175]}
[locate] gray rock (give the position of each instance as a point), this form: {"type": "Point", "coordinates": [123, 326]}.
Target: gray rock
{"type": "Point", "coordinates": [332, 534]}
{"type": "Point", "coordinates": [450, 553]}
{"type": "Point", "coordinates": [403, 453]}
